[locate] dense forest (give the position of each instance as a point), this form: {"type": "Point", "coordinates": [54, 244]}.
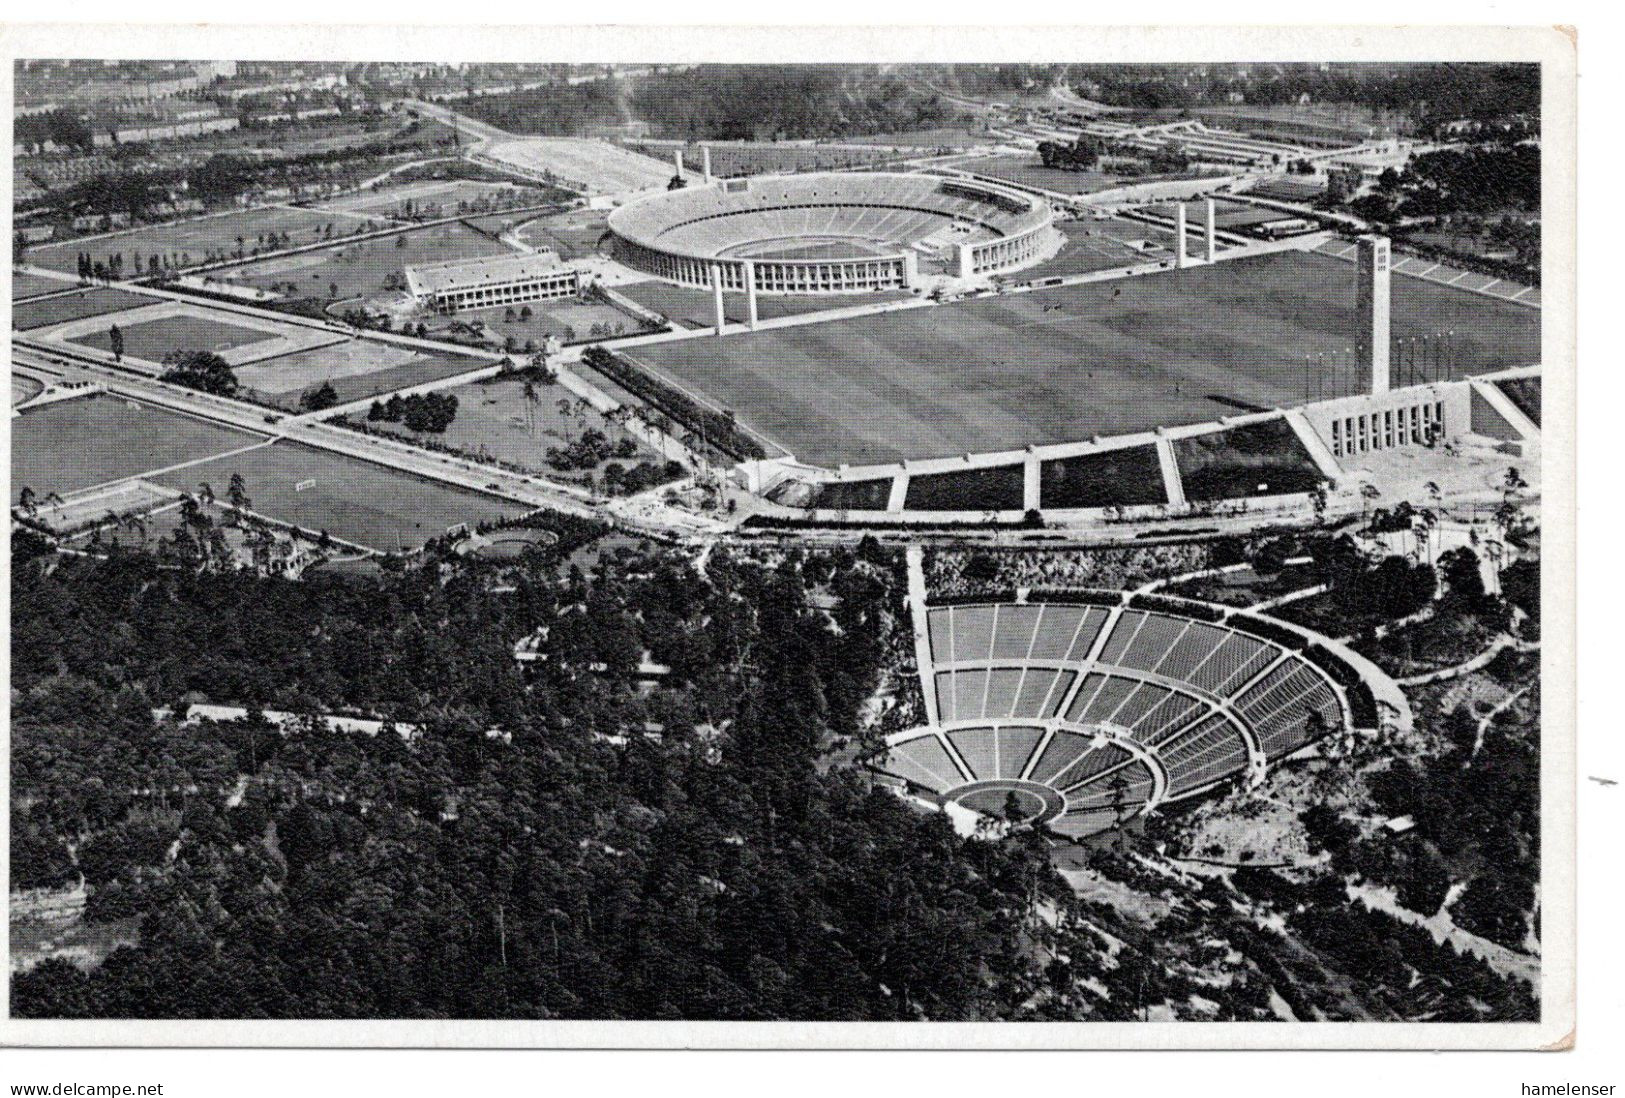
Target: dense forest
{"type": "Point", "coordinates": [551, 846]}
{"type": "Point", "coordinates": [727, 102]}
{"type": "Point", "coordinates": [1433, 93]}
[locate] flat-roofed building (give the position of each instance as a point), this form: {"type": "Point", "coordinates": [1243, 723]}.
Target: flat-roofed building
{"type": "Point", "coordinates": [496, 280]}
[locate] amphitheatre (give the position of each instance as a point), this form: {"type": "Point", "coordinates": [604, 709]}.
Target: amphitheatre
{"type": "Point", "coordinates": [1078, 710]}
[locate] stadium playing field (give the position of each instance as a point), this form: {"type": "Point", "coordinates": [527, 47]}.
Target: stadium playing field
{"type": "Point", "coordinates": [351, 499]}
{"type": "Point", "coordinates": [76, 444]}
{"type": "Point", "coordinates": [1065, 364]}
{"type": "Point", "coordinates": [153, 339]}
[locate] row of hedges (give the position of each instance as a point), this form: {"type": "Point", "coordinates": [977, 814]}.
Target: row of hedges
{"type": "Point", "coordinates": [1201, 611]}
{"type": "Point", "coordinates": [1361, 700]}
{"type": "Point", "coordinates": [1078, 596]}
{"type": "Point", "coordinates": [1264, 629]}
{"type": "Point", "coordinates": [718, 428]}
{"type": "Point", "coordinates": [971, 600]}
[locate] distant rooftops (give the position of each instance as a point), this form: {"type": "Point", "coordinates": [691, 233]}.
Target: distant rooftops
{"type": "Point", "coordinates": [462, 274]}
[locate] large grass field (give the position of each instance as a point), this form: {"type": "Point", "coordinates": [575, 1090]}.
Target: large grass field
{"type": "Point", "coordinates": [197, 240]}
{"type": "Point", "coordinates": [359, 268]}
{"type": "Point", "coordinates": [1029, 169]}
{"type": "Point", "coordinates": [1065, 364]}
{"type": "Point", "coordinates": [355, 368]}
{"type": "Point", "coordinates": [154, 339]}
{"type": "Point", "coordinates": [493, 421]}
{"type": "Point", "coordinates": [25, 285]}
{"type": "Point", "coordinates": [77, 444]}
{"type": "Point", "coordinates": [351, 499]}
{"type": "Point", "coordinates": [691, 308]}
{"type": "Point", "coordinates": [81, 303]}
{"type": "Point", "coordinates": [1096, 246]}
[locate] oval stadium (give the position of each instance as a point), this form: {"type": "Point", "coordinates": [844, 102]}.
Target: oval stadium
{"type": "Point", "coordinates": [1077, 715]}
{"type": "Point", "coordinates": [832, 233]}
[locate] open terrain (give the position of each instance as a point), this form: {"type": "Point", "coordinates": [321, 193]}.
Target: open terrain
{"type": "Point", "coordinates": [76, 444]}
{"type": "Point", "coordinates": [190, 242]}
{"type": "Point", "coordinates": [350, 499]}
{"type": "Point", "coordinates": [360, 268]}
{"type": "Point", "coordinates": [1065, 364]}
{"type": "Point", "coordinates": [81, 303]}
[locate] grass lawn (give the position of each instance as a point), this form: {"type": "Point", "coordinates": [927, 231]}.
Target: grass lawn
{"type": "Point", "coordinates": [154, 339]}
{"type": "Point", "coordinates": [572, 234]}
{"type": "Point", "coordinates": [75, 306]}
{"type": "Point", "coordinates": [493, 422]}
{"type": "Point", "coordinates": [356, 369]}
{"type": "Point", "coordinates": [692, 308]}
{"type": "Point", "coordinates": [567, 318]}
{"type": "Point", "coordinates": [24, 285]}
{"type": "Point", "coordinates": [352, 499]}
{"type": "Point", "coordinates": [77, 444]}
{"type": "Point", "coordinates": [1096, 246]}
{"type": "Point", "coordinates": [946, 137]}
{"type": "Point", "coordinates": [24, 388]}
{"type": "Point", "coordinates": [359, 268]}
{"type": "Point", "coordinates": [1030, 170]}
{"type": "Point", "coordinates": [853, 495]}
{"type": "Point", "coordinates": [1108, 358]}
{"type": "Point", "coordinates": [1525, 393]}
{"type": "Point", "coordinates": [1114, 478]}
{"type": "Point", "coordinates": [196, 240]}
{"type": "Point", "coordinates": [1256, 459]}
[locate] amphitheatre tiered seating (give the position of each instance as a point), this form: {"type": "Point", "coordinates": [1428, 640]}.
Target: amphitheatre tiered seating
{"type": "Point", "coordinates": [1112, 709]}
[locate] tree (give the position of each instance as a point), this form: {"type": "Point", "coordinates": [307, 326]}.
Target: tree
{"type": "Point", "coordinates": [204, 371]}
{"type": "Point", "coordinates": [115, 342]}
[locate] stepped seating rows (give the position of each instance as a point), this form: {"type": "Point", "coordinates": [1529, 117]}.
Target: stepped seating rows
{"type": "Point", "coordinates": [895, 209]}
{"type": "Point", "coordinates": [1108, 680]}
{"type": "Point", "coordinates": [1040, 632]}
{"type": "Point", "coordinates": [1000, 693]}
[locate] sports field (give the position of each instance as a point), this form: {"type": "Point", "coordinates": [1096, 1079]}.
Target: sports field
{"type": "Point", "coordinates": [351, 499]}
{"type": "Point", "coordinates": [1029, 170]}
{"type": "Point", "coordinates": [360, 267]}
{"type": "Point", "coordinates": [1065, 364]}
{"type": "Point", "coordinates": [74, 306]}
{"type": "Point", "coordinates": [24, 285]}
{"type": "Point", "coordinates": [153, 339]}
{"type": "Point", "coordinates": [197, 240]}
{"type": "Point", "coordinates": [356, 369]}
{"type": "Point", "coordinates": [77, 444]}
{"type": "Point", "coordinates": [572, 234]}
{"type": "Point", "coordinates": [694, 308]}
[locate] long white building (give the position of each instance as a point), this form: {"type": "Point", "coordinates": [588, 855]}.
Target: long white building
{"type": "Point", "coordinates": [494, 280]}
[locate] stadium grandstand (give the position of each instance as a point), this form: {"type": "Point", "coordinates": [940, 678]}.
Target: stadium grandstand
{"type": "Point", "coordinates": [493, 280]}
{"type": "Point", "coordinates": [830, 233]}
{"type": "Point", "coordinates": [1079, 714]}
